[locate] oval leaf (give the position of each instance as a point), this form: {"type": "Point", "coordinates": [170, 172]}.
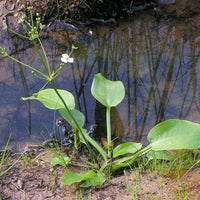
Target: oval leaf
{"type": "Point", "coordinates": [158, 155]}
{"type": "Point", "coordinates": [125, 148]}
{"type": "Point", "coordinates": [78, 116]}
{"type": "Point", "coordinates": [175, 134]}
{"type": "Point", "coordinates": [58, 160]}
{"type": "Point", "coordinates": [50, 99]}
{"type": "Point", "coordinates": [109, 93]}
{"type": "Point", "coordinates": [69, 177]}
{"type": "Point", "coordinates": [98, 179]}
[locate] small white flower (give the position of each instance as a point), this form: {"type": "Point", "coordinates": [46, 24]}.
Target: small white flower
{"type": "Point", "coordinates": [66, 59]}
{"type": "Point", "coordinates": [90, 32]}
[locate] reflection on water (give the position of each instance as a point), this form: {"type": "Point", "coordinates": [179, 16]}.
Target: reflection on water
{"type": "Point", "coordinates": [158, 62]}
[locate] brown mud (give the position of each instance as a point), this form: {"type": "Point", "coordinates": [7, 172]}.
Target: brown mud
{"type": "Point", "coordinates": [83, 11]}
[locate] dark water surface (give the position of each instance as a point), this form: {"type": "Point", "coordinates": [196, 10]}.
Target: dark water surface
{"type": "Point", "coordinates": [157, 60]}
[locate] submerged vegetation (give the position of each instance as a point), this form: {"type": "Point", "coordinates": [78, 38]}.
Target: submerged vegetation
{"type": "Point", "coordinates": [106, 160]}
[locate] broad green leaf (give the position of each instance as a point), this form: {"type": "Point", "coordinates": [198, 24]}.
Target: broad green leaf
{"type": "Point", "coordinates": [50, 99]}
{"type": "Point", "coordinates": [175, 134]}
{"type": "Point", "coordinates": [98, 179]}
{"type": "Point", "coordinates": [125, 148]}
{"type": "Point", "coordinates": [78, 116]}
{"type": "Point", "coordinates": [69, 177]}
{"type": "Point", "coordinates": [58, 160]}
{"type": "Point", "coordinates": [159, 155]}
{"type": "Point", "coordinates": [109, 93]}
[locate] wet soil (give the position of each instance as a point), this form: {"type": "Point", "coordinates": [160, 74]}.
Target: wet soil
{"type": "Point", "coordinates": [74, 9]}
{"type": "Point", "coordinates": [34, 179]}
{"type": "Point", "coordinates": [180, 9]}
{"type": "Point", "coordinates": [84, 11]}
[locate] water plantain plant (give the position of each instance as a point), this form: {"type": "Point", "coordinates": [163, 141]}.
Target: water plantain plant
{"type": "Point", "coordinates": [172, 134]}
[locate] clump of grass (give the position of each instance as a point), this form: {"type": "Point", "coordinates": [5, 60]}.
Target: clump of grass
{"type": "Point", "coordinates": [4, 158]}
{"type": "Point", "coordinates": [181, 161]}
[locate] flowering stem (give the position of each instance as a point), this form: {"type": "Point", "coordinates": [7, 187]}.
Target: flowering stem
{"type": "Point", "coordinates": [42, 60]}
{"type": "Point", "coordinates": [20, 35]}
{"type": "Point", "coordinates": [45, 55]}
{"type": "Point", "coordinates": [30, 9]}
{"type": "Point", "coordinates": [28, 66]}
{"type": "Point", "coordinates": [44, 85]}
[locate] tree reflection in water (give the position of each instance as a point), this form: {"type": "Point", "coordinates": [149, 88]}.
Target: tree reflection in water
{"type": "Point", "coordinates": [158, 62]}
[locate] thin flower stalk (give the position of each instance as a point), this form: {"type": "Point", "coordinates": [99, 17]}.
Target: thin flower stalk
{"type": "Point", "coordinates": [28, 66]}
{"type": "Point", "coordinates": [45, 55]}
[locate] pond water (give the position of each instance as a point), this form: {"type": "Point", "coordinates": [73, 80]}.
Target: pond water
{"type": "Point", "coordinates": [157, 61]}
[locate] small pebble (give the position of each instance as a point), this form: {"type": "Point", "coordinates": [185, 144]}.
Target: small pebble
{"type": "Point", "coordinates": [20, 183]}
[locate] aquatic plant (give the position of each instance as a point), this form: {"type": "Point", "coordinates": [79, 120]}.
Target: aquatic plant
{"type": "Point", "coordinates": [172, 134]}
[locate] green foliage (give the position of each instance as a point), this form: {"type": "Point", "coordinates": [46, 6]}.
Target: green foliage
{"type": "Point", "coordinates": [80, 118]}
{"type": "Point", "coordinates": [175, 134]}
{"type": "Point", "coordinates": [96, 180]}
{"type": "Point", "coordinates": [159, 155]}
{"type": "Point", "coordinates": [59, 160]}
{"type": "Point", "coordinates": [172, 134]}
{"type": "Point", "coordinates": [126, 148]}
{"type": "Point", "coordinates": [109, 93]}
{"type": "Point", "coordinates": [69, 177]}
{"type": "Point", "coordinates": [3, 158]}
{"type": "Point", "coordinates": [4, 155]}
{"type": "Point", "coordinates": [50, 99]}
{"type": "Point", "coordinates": [90, 178]}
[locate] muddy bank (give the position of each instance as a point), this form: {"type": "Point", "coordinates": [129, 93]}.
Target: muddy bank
{"type": "Point", "coordinates": [75, 9]}
{"type": "Point", "coordinates": [84, 11]}
{"type": "Point", "coordinates": [177, 8]}
{"type": "Point", "coordinates": [31, 178]}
